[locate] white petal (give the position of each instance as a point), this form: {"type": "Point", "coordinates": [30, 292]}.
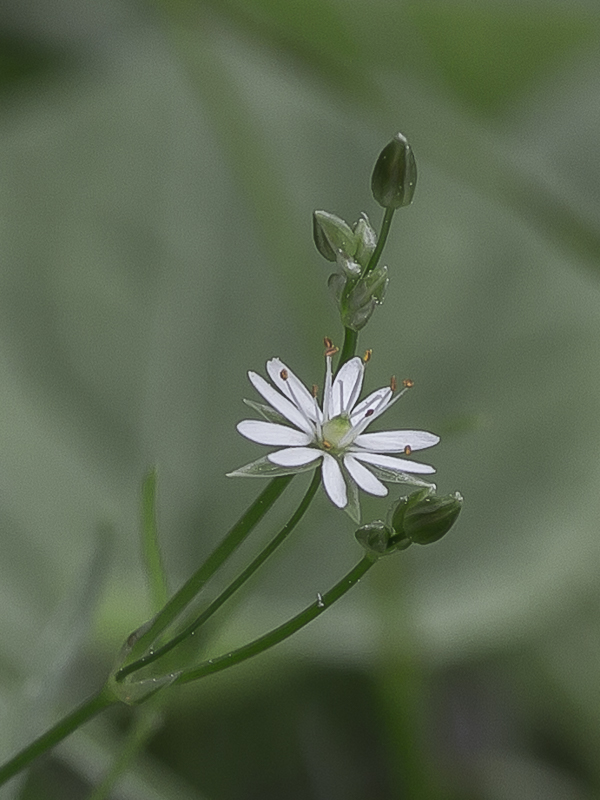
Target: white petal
{"type": "Point", "coordinates": [346, 386]}
{"type": "Point", "coordinates": [396, 441]}
{"type": "Point", "coordinates": [389, 462]}
{"type": "Point", "coordinates": [280, 403]}
{"type": "Point", "coordinates": [365, 479]}
{"type": "Point", "coordinates": [271, 433]}
{"type": "Point", "coordinates": [292, 388]}
{"type": "Point", "coordinates": [333, 481]}
{"type": "Point", "coordinates": [294, 456]}
{"type": "Point", "coordinates": [377, 400]}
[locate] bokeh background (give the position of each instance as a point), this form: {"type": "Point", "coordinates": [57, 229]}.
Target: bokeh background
{"type": "Point", "coordinates": [159, 163]}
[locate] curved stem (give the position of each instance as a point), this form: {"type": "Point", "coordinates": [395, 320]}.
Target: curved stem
{"type": "Point", "coordinates": [97, 703]}
{"type": "Point", "coordinates": [232, 588]}
{"type": "Point", "coordinates": [383, 235]}
{"type": "Point", "coordinates": [220, 554]}
{"type": "Point", "coordinates": [283, 631]}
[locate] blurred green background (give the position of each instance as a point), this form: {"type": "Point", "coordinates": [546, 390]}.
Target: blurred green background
{"type": "Point", "coordinates": [159, 164]}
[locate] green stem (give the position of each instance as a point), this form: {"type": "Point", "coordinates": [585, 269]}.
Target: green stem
{"type": "Point", "coordinates": [232, 588]}
{"type": "Point", "coordinates": [97, 703]}
{"type": "Point", "coordinates": [349, 347]}
{"type": "Point", "coordinates": [150, 546]}
{"type": "Point", "coordinates": [283, 631]}
{"type": "Point", "coordinates": [220, 554]}
{"type": "Point", "coordinates": [383, 235]}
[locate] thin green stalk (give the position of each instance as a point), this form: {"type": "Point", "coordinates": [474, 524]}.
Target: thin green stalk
{"type": "Point", "coordinates": [150, 546]}
{"type": "Point", "coordinates": [232, 588]}
{"type": "Point", "coordinates": [284, 631]}
{"type": "Point", "coordinates": [349, 347]}
{"type": "Point", "coordinates": [382, 239]}
{"type": "Point", "coordinates": [97, 703]}
{"type": "Point", "coordinates": [220, 554]}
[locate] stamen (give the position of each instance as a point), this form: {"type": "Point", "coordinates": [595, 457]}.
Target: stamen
{"type": "Point", "coordinates": [367, 356]}
{"type": "Point", "coordinates": [393, 383]}
{"type": "Point", "coordinates": [408, 383]}
{"type": "Point", "coordinates": [284, 375]}
{"type": "Point", "coordinates": [327, 342]}
{"type": "Point", "coordinates": [315, 390]}
{"type": "Point", "coordinates": [370, 412]}
{"type": "Point", "coordinates": [326, 444]}
{"type": "Point", "coordinates": [331, 351]}
{"type": "Point", "coordinates": [407, 450]}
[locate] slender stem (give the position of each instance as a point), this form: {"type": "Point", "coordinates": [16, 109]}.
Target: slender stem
{"type": "Point", "coordinates": [349, 347]}
{"type": "Point", "coordinates": [383, 235]}
{"type": "Point", "coordinates": [150, 546]}
{"type": "Point", "coordinates": [97, 703]}
{"type": "Point", "coordinates": [220, 554]}
{"type": "Point", "coordinates": [232, 588]}
{"type": "Point", "coordinates": [283, 631]}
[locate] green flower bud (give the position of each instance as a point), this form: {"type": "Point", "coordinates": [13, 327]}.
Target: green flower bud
{"type": "Point", "coordinates": [378, 539]}
{"type": "Point", "coordinates": [332, 235]}
{"type": "Point", "coordinates": [424, 517]}
{"type": "Point", "coordinates": [367, 240]}
{"type": "Point", "coordinates": [395, 174]}
{"type": "Point", "coordinates": [360, 302]}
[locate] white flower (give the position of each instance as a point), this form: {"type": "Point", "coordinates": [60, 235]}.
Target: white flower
{"type": "Point", "coordinates": [334, 435]}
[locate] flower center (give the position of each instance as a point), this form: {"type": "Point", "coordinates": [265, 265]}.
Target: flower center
{"type": "Point", "coordinates": [334, 431]}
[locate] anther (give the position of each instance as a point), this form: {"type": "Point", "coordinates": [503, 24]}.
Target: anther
{"type": "Point", "coordinates": [315, 390]}
{"type": "Point", "coordinates": [331, 351]}
{"type": "Point", "coordinates": [284, 375]}
{"type": "Point", "coordinates": [408, 383]}
{"type": "Point", "coordinates": [370, 412]}
{"type": "Point", "coordinates": [367, 356]}
{"type": "Point", "coordinates": [327, 342]}
{"type": "Point", "coordinates": [407, 450]}
{"type": "Point", "coordinates": [393, 383]}
{"type": "Point", "coordinates": [326, 444]}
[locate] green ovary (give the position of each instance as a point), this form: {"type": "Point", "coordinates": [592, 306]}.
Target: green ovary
{"type": "Point", "coordinates": [334, 431]}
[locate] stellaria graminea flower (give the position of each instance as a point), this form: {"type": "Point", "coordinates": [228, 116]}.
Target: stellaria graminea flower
{"type": "Point", "coordinates": [333, 434]}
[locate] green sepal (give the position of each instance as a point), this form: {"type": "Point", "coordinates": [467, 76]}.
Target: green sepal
{"type": "Point", "coordinates": [378, 539]}
{"type": "Point", "coordinates": [393, 476]}
{"type": "Point", "coordinates": [395, 174]}
{"type": "Point", "coordinates": [267, 412]}
{"type": "Point", "coordinates": [337, 283]}
{"type": "Point", "coordinates": [352, 507]}
{"type": "Point", "coordinates": [348, 266]}
{"type": "Point", "coordinates": [332, 235]}
{"type": "Point", "coordinates": [263, 468]}
{"type": "Point", "coordinates": [366, 240]}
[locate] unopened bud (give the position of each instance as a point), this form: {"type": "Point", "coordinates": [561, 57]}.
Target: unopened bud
{"type": "Point", "coordinates": [332, 235]}
{"type": "Point", "coordinates": [395, 174]}
{"type": "Point", "coordinates": [424, 517]}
